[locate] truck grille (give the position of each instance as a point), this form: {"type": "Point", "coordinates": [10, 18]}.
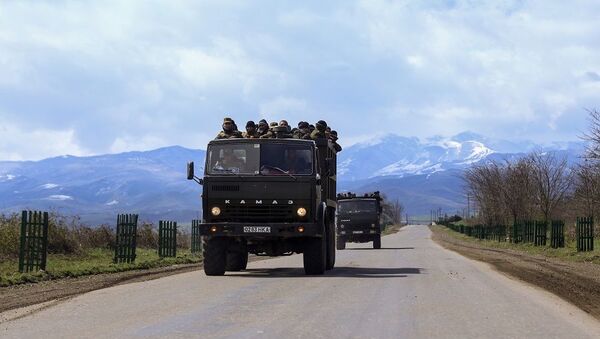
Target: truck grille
{"type": "Point", "coordinates": [225, 188]}
{"type": "Point", "coordinates": [284, 213]}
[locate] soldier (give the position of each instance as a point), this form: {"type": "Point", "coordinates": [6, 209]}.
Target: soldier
{"type": "Point", "coordinates": [284, 123]}
{"type": "Point", "coordinates": [251, 132]}
{"type": "Point", "coordinates": [281, 132]}
{"type": "Point", "coordinates": [303, 131]}
{"type": "Point", "coordinates": [228, 131]}
{"type": "Point", "coordinates": [263, 128]}
{"type": "Point", "coordinates": [270, 133]}
{"type": "Point", "coordinates": [334, 137]}
{"type": "Point", "coordinates": [320, 129]}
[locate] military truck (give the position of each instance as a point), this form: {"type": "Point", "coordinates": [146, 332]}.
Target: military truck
{"type": "Point", "coordinates": [359, 219]}
{"type": "Point", "coordinates": [269, 197]}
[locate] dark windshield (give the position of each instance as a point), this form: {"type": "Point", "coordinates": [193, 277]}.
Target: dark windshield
{"type": "Point", "coordinates": [233, 159]}
{"type": "Point", "coordinates": [265, 159]}
{"type": "Point", "coordinates": [282, 159]}
{"type": "Point", "coordinates": [357, 206]}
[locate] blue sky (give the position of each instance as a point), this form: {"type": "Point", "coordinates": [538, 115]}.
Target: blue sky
{"type": "Point", "coordinates": [87, 78]}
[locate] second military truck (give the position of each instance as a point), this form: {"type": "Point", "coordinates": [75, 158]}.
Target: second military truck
{"type": "Point", "coordinates": [269, 197]}
{"type": "Point", "coordinates": [359, 219]}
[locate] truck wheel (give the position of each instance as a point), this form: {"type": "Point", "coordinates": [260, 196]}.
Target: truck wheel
{"type": "Point", "coordinates": [215, 255]}
{"type": "Point", "coordinates": [315, 255]}
{"type": "Point", "coordinates": [341, 243]}
{"type": "Point", "coordinates": [377, 242]}
{"type": "Point", "coordinates": [330, 247]}
{"type": "Point", "coordinates": [236, 261]}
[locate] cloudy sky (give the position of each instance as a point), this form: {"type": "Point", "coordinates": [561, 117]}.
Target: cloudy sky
{"type": "Point", "coordinates": [109, 76]}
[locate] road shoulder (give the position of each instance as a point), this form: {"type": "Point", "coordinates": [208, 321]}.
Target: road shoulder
{"type": "Point", "coordinates": [577, 283]}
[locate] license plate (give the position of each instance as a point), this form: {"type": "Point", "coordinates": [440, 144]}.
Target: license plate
{"type": "Point", "coordinates": [357, 232]}
{"type": "Point", "coordinates": [257, 229]}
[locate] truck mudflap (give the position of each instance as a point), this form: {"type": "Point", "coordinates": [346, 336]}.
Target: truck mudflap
{"type": "Point", "coordinates": [261, 230]}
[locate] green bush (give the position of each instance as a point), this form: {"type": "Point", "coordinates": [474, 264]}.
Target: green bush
{"type": "Point", "coordinates": [9, 235]}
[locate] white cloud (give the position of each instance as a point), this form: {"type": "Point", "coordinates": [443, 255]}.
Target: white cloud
{"type": "Point", "coordinates": [88, 78]}
{"type": "Point", "coordinates": [59, 197]}
{"type": "Point", "coordinates": [18, 143]}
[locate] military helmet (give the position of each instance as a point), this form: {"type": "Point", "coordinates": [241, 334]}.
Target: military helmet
{"type": "Point", "coordinates": [321, 125]}
{"type": "Point", "coordinates": [228, 125]}
{"type": "Point", "coordinates": [302, 124]}
{"type": "Point", "coordinates": [250, 124]}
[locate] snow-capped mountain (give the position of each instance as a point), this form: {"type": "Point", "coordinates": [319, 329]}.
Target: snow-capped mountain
{"type": "Point", "coordinates": [394, 155]}
{"type": "Point", "coordinates": [420, 173]}
{"type": "Point", "coordinates": [96, 188]}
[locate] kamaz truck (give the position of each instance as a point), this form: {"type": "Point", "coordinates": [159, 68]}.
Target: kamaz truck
{"type": "Point", "coordinates": [268, 197]}
{"type": "Point", "coordinates": [359, 219]}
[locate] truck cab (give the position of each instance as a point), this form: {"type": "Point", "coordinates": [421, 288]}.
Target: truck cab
{"type": "Point", "coordinates": [359, 219]}
{"type": "Point", "coordinates": [268, 197]}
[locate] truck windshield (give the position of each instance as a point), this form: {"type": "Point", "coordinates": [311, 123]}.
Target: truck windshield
{"type": "Point", "coordinates": [264, 159]}
{"type": "Point", "coordinates": [357, 206]}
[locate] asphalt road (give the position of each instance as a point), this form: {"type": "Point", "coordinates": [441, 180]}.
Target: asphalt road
{"type": "Point", "coordinates": [411, 288]}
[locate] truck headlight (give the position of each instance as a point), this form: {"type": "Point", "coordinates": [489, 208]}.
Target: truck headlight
{"type": "Point", "coordinates": [215, 211]}
{"type": "Point", "coordinates": [301, 212]}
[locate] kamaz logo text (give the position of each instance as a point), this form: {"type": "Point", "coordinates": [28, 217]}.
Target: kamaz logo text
{"type": "Point", "coordinates": [259, 202]}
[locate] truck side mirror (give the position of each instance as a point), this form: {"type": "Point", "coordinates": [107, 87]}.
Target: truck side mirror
{"type": "Point", "coordinates": [190, 170]}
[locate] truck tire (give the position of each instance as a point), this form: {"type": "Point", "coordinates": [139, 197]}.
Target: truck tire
{"type": "Point", "coordinates": [315, 255]}
{"type": "Point", "coordinates": [236, 261]}
{"type": "Point", "coordinates": [215, 255]}
{"type": "Point", "coordinates": [377, 242]}
{"type": "Point", "coordinates": [341, 243]}
{"type": "Point", "coordinates": [330, 247]}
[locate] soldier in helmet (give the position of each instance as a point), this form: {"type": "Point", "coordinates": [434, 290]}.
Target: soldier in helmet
{"type": "Point", "coordinates": [270, 133]}
{"type": "Point", "coordinates": [263, 128]}
{"type": "Point", "coordinates": [228, 131]}
{"type": "Point", "coordinates": [320, 130]}
{"type": "Point", "coordinates": [281, 132]}
{"type": "Point", "coordinates": [333, 136]}
{"type": "Point", "coordinates": [284, 123]}
{"type": "Point", "coordinates": [251, 132]}
{"type": "Point", "coordinates": [303, 131]}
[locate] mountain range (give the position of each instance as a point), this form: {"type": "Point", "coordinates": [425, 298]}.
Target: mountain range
{"type": "Point", "coordinates": [422, 174]}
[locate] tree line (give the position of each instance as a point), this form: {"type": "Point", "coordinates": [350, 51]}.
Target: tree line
{"type": "Point", "coordinates": [540, 185]}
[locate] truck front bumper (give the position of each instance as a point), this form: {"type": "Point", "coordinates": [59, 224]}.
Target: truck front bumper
{"type": "Point", "coordinates": [260, 230]}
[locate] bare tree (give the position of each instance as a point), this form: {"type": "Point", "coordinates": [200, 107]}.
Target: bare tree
{"type": "Point", "coordinates": [587, 187]}
{"type": "Point", "coordinates": [484, 183]}
{"type": "Point", "coordinates": [593, 136]}
{"type": "Point", "coordinates": [392, 210]}
{"type": "Point", "coordinates": [517, 188]}
{"type": "Point", "coordinates": [553, 180]}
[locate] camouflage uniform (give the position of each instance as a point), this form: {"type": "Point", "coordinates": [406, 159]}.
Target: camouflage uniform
{"type": "Point", "coordinates": [270, 133]}
{"type": "Point", "coordinates": [263, 128]}
{"type": "Point", "coordinates": [228, 131]}
{"type": "Point", "coordinates": [281, 132]}
{"type": "Point", "coordinates": [320, 130]}
{"type": "Point", "coordinates": [333, 136]}
{"type": "Point", "coordinates": [303, 131]}
{"type": "Point", "coordinates": [251, 132]}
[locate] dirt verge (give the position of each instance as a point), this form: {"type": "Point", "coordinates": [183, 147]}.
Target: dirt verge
{"type": "Point", "coordinates": [31, 294]}
{"type": "Point", "coordinates": [46, 292]}
{"type": "Point", "coordinates": [578, 283]}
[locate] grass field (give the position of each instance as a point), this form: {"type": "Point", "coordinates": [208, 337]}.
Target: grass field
{"type": "Point", "coordinates": [94, 261]}
{"type": "Point", "coordinates": [569, 252]}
